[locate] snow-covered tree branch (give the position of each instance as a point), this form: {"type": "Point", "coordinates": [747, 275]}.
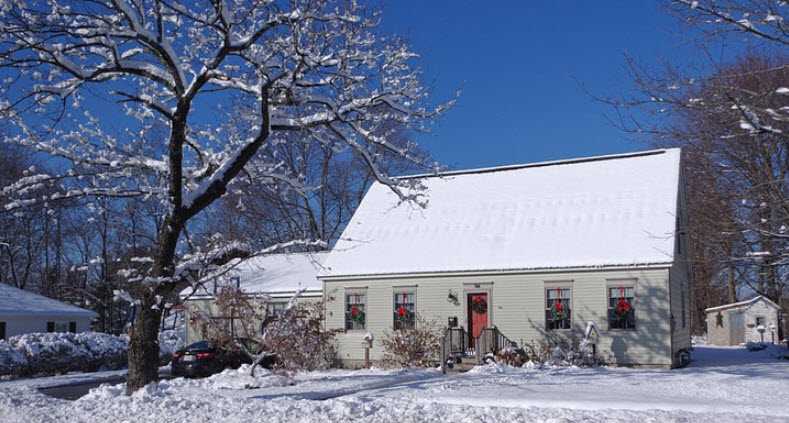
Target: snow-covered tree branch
{"type": "Point", "coordinates": [135, 98]}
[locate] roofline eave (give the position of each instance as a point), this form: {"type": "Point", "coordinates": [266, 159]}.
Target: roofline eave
{"type": "Point", "coordinates": [484, 272]}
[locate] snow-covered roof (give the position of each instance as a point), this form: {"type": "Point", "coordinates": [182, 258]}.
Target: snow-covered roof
{"type": "Point", "coordinates": [276, 274]}
{"type": "Point", "coordinates": [18, 302]}
{"type": "Point", "coordinates": [599, 211]}
{"type": "Point", "coordinates": [746, 303]}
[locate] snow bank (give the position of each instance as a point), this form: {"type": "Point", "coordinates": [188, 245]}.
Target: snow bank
{"type": "Point", "coordinates": [157, 404]}
{"type": "Point", "coordinates": [721, 385]}
{"type": "Point", "coordinates": [238, 379]}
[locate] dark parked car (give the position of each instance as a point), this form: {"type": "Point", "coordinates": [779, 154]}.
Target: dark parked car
{"type": "Point", "coordinates": [202, 358]}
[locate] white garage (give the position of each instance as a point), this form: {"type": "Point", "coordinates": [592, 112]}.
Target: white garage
{"type": "Point", "coordinates": [26, 312]}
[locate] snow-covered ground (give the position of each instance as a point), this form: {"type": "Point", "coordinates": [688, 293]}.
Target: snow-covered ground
{"type": "Point", "coordinates": [722, 385]}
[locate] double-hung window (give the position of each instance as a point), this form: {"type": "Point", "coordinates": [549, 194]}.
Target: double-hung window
{"type": "Point", "coordinates": [404, 309]}
{"type": "Point", "coordinates": [276, 309]}
{"type": "Point", "coordinates": [356, 309]}
{"type": "Point", "coordinates": [558, 303]}
{"type": "Point", "coordinates": [621, 307]}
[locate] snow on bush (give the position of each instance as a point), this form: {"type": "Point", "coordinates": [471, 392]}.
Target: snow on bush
{"type": "Point", "coordinates": [52, 353]}
{"type": "Point", "coordinates": [10, 359]}
{"type": "Point", "coordinates": [62, 352]}
{"type": "Point", "coordinates": [241, 378]}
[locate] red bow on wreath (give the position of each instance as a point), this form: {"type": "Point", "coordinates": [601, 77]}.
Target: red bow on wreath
{"type": "Point", "coordinates": [558, 310]}
{"type": "Point", "coordinates": [401, 312]}
{"type": "Point", "coordinates": [357, 314]}
{"type": "Point", "coordinates": [622, 307]}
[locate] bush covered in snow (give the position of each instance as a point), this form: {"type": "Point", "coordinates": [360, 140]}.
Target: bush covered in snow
{"type": "Point", "coordinates": [62, 352]}
{"type": "Point", "coordinates": [560, 353]}
{"type": "Point", "coordinates": [52, 353]}
{"type": "Point", "coordinates": [418, 347]}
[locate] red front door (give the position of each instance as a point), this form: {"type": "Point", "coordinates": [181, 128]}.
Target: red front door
{"type": "Point", "coordinates": [477, 314]}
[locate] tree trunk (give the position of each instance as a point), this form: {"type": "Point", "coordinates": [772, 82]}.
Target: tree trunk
{"type": "Point", "coordinates": [732, 285]}
{"type": "Point", "coordinates": [144, 347]}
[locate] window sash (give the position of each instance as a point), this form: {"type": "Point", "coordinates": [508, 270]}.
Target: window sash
{"type": "Point", "coordinates": [406, 300]}
{"type": "Point", "coordinates": [559, 295]}
{"type": "Point", "coordinates": [276, 309]}
{"type": "Point", "coordinates": [628, 321]}
{"type": "Point", "coordinates": [358, 300]}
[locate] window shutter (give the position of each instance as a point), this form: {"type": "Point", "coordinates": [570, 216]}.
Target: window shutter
{"type": "Point", "coordinates": [50, 326]}
{"type": "Point", "coordinates": [2, 330]}
{"type": "Point", "coordinates": [72, 327]}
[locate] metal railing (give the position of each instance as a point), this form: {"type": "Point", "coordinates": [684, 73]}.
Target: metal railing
{"type": "Point", "coordinates": [457, 344]}
{"type": "Point", "coordinates": [491, 341]}
{"type": "Point", "coordinates": [453, 345]}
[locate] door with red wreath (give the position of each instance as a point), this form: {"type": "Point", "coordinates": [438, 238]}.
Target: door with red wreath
{"type": "Point", "coordinates": [477, 316]}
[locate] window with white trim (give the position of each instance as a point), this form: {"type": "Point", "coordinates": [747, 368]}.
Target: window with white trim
{"type": "Point", "coordinates": [276, 309]}
{"type": "Point", "coordinates": [621, 307]}
{"type": "Point", "coordinates": [356, 310]}
{"type": "Point", "coordinates": [404, 314]}
{"type": "Point", "coordinates": [558, 302]}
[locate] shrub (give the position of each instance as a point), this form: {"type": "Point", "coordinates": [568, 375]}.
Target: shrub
{"type": "Point", "coordinates": [299, 339]}
{"type": "Point", "coordinates": [557, 352]}
{"type": "Point", "coordinates": [53, 353]}
{"type": "Point", "coordinates": [296, 336]}
{"type": "Point", "coordinates": [41, 354]}
{"type": "Point", "coordinates": [418, 347]}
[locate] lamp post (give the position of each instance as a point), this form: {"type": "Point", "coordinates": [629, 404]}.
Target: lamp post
{"type": "Point", "coordinates": [772, 333]}
{"type": "Point", "coordinates": [761, 330]}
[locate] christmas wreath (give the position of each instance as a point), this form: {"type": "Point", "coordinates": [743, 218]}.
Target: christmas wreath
{"type": "Point", "coordinates": [402, 312]}
{"type": "Point", "coordinates": [558, 310]}
{"type": "Point", "coordinates": [479, 305]}
{"type": "Point", "coordinates": [357, 315]}
{"type": "Point", "coordinates": [622, 308]}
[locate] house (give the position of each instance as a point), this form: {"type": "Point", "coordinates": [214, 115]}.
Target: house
{"type": "Point", "coordinates": [535, 251]}
{"type": "Point", "coordinates": [273, 278]}
{"type": "Point", "coordinates": [26, 312]}
{"type": "Point", "coordinates": [754, 320]}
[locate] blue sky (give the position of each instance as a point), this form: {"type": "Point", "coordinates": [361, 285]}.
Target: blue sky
{"type": "Point", "coordinates": [517, 63]}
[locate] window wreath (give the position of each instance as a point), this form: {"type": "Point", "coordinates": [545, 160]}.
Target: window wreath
{"type": "Point", "coordinates": [357, 315]}
{"type": "Point", "coordinates": [402, 312]}
{"type": "Point", "coordinates": [623, 307]}
{"type": "Point", "coordinates": [479, 305]}
{"type": "Point", "coordinates": [558, 311]}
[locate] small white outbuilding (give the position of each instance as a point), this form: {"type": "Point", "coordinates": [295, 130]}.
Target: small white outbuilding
{"type": "Point", "coordinates": [26, 312]}
{"type": "Point", "coordinates": [754, 320]}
